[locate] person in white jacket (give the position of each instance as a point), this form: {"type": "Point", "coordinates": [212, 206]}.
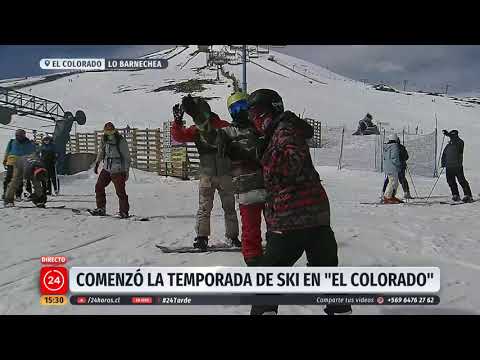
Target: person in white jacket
{"type": "Point", "coordinates": [392, 166]}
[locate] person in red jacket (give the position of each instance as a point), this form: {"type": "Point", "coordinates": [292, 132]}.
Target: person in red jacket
{"type": "Point", "coordinates": [297, 209]}
{"type": "Point", "coordinates": [215, 170]}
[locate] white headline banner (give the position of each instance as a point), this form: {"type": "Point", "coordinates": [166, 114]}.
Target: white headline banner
{"type": "Point", "coordinates": [259, 280]}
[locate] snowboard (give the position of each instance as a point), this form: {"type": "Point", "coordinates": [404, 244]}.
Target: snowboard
{"type": "Point", "coordinates": [89, 213]}
{"type": "Point", "coordinates": [34, 207]}
{"type": "Point", "coordinates": [191, 249]}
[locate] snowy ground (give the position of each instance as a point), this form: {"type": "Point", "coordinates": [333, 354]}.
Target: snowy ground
{"type": "Point", "coordinates": [437, 235]}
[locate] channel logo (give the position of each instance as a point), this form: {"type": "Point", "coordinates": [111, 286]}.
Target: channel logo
{"type": "Point", "coordinates": [53, 279]}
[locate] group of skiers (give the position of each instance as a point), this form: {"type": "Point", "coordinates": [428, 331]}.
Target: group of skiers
{"type": "Point", "coordinates": [24, 161]}
{"type": "Point", "coordinates": [262, 160]}
{"type": "Point", "coordinates": [395, 158]}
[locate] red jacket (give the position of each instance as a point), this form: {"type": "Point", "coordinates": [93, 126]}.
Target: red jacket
{"type": "Point", "coordinates": [182, 134]}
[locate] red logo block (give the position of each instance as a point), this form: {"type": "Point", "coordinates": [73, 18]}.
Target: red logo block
{"type": "Point", "coordinates": [53, 280]}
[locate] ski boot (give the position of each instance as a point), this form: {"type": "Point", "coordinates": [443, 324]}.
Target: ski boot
{"type": "Point", "coordinates": [98, 212]}
{"type": "Point", "coordinates": [8, 203]}
{"type": "Point", "coordinates": [201, 242]}
{"type": "Point", "coordinates": [40, 205]}
{"type": "Point", "coordinates": [18, 197]}
{"type": "Point", "coordinates": [57, 192]}
{"type": "Point", "coordinates": [392, 200]}
{"type": "Point", "coordinates": [467, 199]}
{"type": "Point", "coordinates": [407, 196]}
{"type": "Point", "coordinates": [338, 310]}
{"type": "Point", "coordinates": [234, 242]}
{"type": "Point", "coordinates": [456, 198]}
{"type": "Point", "coordinates": [123, 215]}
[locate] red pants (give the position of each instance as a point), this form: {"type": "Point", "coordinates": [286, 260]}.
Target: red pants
{"type": "Point", "coordinates": [251, 216]}
{"type": "Point", "coordinates": [118, 180]}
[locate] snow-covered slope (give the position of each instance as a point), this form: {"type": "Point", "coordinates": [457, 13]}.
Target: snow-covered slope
{"type": "Point", "coordinates": [440, 235]}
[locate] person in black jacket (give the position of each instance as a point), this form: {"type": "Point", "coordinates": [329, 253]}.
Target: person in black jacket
{"type": "Point", "coordinates": [48, 155]}
{"type": "Point", "coordinates": [452, 161]}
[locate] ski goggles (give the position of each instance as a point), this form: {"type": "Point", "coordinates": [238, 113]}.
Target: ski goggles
{"type": "Point", "coordinates": [238, 106]}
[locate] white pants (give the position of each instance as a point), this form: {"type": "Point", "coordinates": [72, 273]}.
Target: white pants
{"type": "Point", "coordinates": [392, 185]}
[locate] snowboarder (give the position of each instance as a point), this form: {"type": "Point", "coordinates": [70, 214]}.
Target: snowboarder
{"type": "Point", "coordinates": [402, 178]}
{"type": "Point", "coordinates": [215, 171]}
{"type": "Point", "coordinates": [366, 126]}
{"type": "Point", "coordinates": [116, 167]}
{"type": "Point", "coordinates": [297, 209]}
{"type": "Point", "coordinates": [392, 166]}
{"type": "Point", "coordinates": [28, 167]}
{"type": "Point", "coordinates": [20, 146]}
{"type": "Point", "coordinates": [452, 161]}
{"type": "Point", "coordinates": [48, 154]}
{"type": "Point", "coordinates": [238, 143]}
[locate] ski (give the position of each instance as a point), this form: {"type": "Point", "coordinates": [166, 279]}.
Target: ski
{"type": "Point", "coordinates": [191, 249]}
{"type": "Point", "coordinates": [34, 207]}
{"type": "Point", "coordinates": [89, 213]}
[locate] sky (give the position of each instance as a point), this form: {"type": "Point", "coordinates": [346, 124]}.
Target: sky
{"type": "Point", "coordinates": [424, 67]}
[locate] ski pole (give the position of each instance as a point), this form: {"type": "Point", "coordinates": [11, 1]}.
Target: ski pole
{"type": "Point", "coordinates": [134, 175]}
{"type": "Point", "coordinates": [413, 183]}
{"type": "Point", "coordinates": [441, 149]}
{"type": "Point", "coordinates": [435, 184]}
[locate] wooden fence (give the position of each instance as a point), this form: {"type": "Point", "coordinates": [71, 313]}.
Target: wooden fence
{"type": "Point", "coordinates": [147, 151]}
{"type": "Point", "coordinates": [152, 150]}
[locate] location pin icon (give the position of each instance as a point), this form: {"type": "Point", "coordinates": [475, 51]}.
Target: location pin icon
{"type": "Point", "coordinates": [47, 62]}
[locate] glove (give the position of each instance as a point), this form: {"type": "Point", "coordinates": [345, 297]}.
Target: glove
{"type": "Point", "coordinates": [5, 164]}
{"type": "Point", "coordinates": [445, 132]}
{"type": "Point", "coordinates": [195, 107]}
{"type": "Point", "coordinates": [189, 105]}
{"type": "Point", "coordinates": [96, 167]}
{"type": "Point", "coordinates": [178, 114]}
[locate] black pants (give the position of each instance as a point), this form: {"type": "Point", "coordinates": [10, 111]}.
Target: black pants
{"type": "Point", "coordinates": [52, 179]}
{"type": "Point", "coordinates": [285, 249]}
{"type": "Point", "coordinates": [402, 179]}
{"type": "Point", "coordinates": [457, 173]}
{"type": "Point", "coordinates": [8, 178]}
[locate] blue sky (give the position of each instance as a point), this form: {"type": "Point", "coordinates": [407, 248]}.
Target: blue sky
{"type": "Point", "coordinates": [425, 67]}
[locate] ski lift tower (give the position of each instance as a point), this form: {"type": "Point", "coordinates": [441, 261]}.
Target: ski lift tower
{"type": "Point", "coordinates": [14, 102]}
{"type": "Point", "coordinates": [244, 64]}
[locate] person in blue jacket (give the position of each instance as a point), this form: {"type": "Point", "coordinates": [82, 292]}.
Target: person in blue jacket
{"type": "Point", "coordinates": [48, 154]}
{"type": "Point", "coordinates": [18, 147]}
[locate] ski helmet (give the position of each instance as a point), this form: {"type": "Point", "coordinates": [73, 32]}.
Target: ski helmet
{"type": "Point", "coordinates": [236, 102]}
{"type": "Point", "coordinates": [454, 133]}
{"type": "Point", "coordinates": [267, 100]}
{"type": "Point", "coordinates": [393, 137]}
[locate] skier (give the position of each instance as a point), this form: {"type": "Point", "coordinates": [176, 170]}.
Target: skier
{"type": "Point", "coordinates": [238, 143]}
{"type": "Point", "coordinates": [28, 167]}
{"type": "Point", "coordinates": [215, 171]}
{"type": "Point", "coordinates": [452, 160]}
{"type": "Point", "coordinates": [116, 167]}
{"type": "Point", "coordinates": [402, 178]}
{"type": "Point", "coordinates": [20, 146]}
{"type": "Point", "coordinates": [297, 209]}
{"type": "Point", "coordinates": [392, 166]}
{"type": "Point", "coordinates": [48, 154]}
